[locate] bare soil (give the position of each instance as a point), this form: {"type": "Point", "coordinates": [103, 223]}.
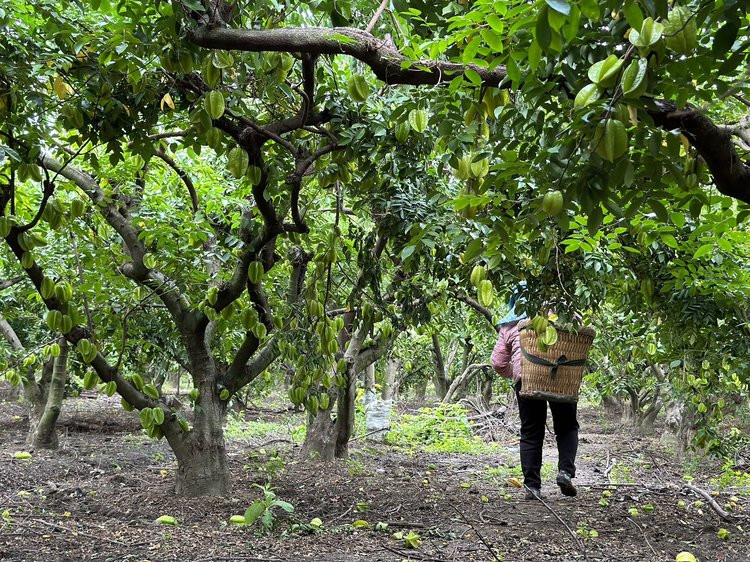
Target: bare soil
{"type": "Point", "coordinates": [97, 497]}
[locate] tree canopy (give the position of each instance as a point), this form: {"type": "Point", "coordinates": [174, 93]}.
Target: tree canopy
{"type": "Point", "coordinates": [234, 186]}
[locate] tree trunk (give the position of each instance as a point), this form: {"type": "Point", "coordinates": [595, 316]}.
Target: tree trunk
{"type": "Point", "coordinates": [42, 427]}
{"type": "Point", "coordinates": [202, 468]}
{"type": "Point", "coordinates": [345, 413]}
{"type": "Point", "coordinates": [369, 383]}
{"type": "Point", "coordinates": [460, 381]}
{"type": "Point", "coordinates": [324, 434]}
{"type": "Point", "coordinates": [613, 406]}
{"type": "Point", "coordinates": [630, 412]}
{"type": "Point", "coordinates": [420, 391]}
{"type": "Point", "coordinates": [486, 387]}
{"type": "Point", "coordinates": [440, 378]}
{"type": "Point", "coordinates": [390, 385]}
{"type": "Point", "coordinates": [679, 426]}
{"type": "Point", "coordinates": [327, 439]}
{"type": "Point", "coordinates": [320, 440]}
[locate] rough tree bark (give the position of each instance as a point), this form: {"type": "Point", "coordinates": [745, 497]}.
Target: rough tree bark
{"type": "Point", "coordinates": [391, 380]}
{"type": "Point", "coordinates": [679, 425]}
{"type": "Point", "coordinates": [440, 377]}
{"type": "Point", "coordinates": [461, 380]}
{"type": "Point", "coordinates": [369, 382]}
{"type": "Point", "coordinates": [43, 394]}
{"type": "Point", "coordinates": [43, 423]}
{"type": "Point", "coordinates": [420, 391]}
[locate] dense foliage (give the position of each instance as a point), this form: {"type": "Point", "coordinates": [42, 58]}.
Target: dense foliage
{"type": "Point", "coordinates": [264, 192]}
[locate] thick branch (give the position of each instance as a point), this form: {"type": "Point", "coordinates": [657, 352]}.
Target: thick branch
{"type": "Point", "coordinates": [242, 370]}
{"type": "Point", "coordinates": [10, 334]}
{"type": "Point", "coordinates": [376, 16]}
{"type": "Point", "coordinates": [714, 144]}
{"type": "Point", "coordinates": [462, 378]}
{"type": "Point", "coordinates": [369, 355]}
{"type": "Point", "coordinates": [136, 270]}
{"type": "Point", "coordinates": [388, 64]}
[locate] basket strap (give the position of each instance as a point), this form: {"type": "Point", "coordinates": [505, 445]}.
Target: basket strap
{"type": "Point", "coordinates": [561, 362]}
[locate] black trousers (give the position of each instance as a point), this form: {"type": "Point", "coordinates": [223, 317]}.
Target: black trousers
{"type": "Point", "coordinates": [533, 414]}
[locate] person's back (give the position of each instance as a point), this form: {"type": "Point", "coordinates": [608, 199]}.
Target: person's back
{"type": "Point", "coordinates": [506, 360]}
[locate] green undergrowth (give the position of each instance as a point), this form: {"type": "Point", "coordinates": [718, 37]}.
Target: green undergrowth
{"type": "Point", "coordinates": [240, 429]}
{"type": "Point", "coordinates": [443, 429]}
{"type": "Point", "coordinates": [733, 479]}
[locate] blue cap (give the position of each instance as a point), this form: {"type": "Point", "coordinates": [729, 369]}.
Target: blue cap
{"type": "Point", "coordinates": [512, 316]}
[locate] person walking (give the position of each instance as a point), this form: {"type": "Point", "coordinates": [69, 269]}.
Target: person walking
{"type": "Point", "coordinates": [506, 360]}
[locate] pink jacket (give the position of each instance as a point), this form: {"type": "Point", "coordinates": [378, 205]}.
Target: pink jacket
{"type": "Point", "coordinates": [506, 357]}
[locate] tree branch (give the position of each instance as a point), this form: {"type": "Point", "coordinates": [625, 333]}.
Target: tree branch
{"type": "Point", "coordinates": [388, 64]}
{"type": "Point", "coordinates": [49, 189]}
{"type": "Point", "coordinates": [376, 16]}
{"type": "Point", "coordinates": [714, 144]}
{"type": "Point", "coordinates": [183, 176]}
{"type": "Point", "coordinates": [10, 282]}
{"type": "Point", "coordinates": [136, 270]}
{"type": "Point", "coordinates": [369, 355]}
{"type": "Point", "coordinates": [478, 307]}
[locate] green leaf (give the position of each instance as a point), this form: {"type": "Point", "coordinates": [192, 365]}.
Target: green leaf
{"type": "Point", "coordinates": [670, 241]}
{"type": "Point", "coordinates": [561, 6]}
{"type": "Point", "coordinates": [659, 209]}
{"type": "Point", "coordinates": [703, 250]}
{"type": "Point", "coordinates": [495, 23]}
{"type": "Point", "coordinates": [590, 9]}
{"type": "Point", "coordinates": [633, 14]}
{"type": "Point", "coordinates": [556, 21]}
{"type": "Point", "coordinates": [514, 73]}
{"type": "Point", "coordinates": [254, 511]}
{"type": "Point", "coordinates": [493, 39]}
{"type": "Point", "coordinates": [407, 251]}
{"type": "Point", "coordinates": [535, 55]}
{"type": "Point", "coordinates": [542, 30]}
{"type": "Point", "coordinates": [286, 506]}
{"type": "Point", "coordinates": [725, 38]}
{"type": "Point", "coordinates": [166, 520]}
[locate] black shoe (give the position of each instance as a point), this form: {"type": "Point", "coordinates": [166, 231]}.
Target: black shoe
{"type": "Point", "coordinates": [533, 493]}
{"type": "Point", "coordinates": [566, 484]}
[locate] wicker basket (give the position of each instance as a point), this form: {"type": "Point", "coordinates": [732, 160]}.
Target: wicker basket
{"type": "Point", "coordinates": [555, 374]}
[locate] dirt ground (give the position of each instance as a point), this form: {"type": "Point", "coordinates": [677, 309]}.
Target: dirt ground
{"type": "Point", "coordinates": [97, 497]}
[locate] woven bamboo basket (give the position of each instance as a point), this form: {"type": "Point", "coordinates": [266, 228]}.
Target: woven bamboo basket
{"type": "Point", "coordinates": [555, 374]}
